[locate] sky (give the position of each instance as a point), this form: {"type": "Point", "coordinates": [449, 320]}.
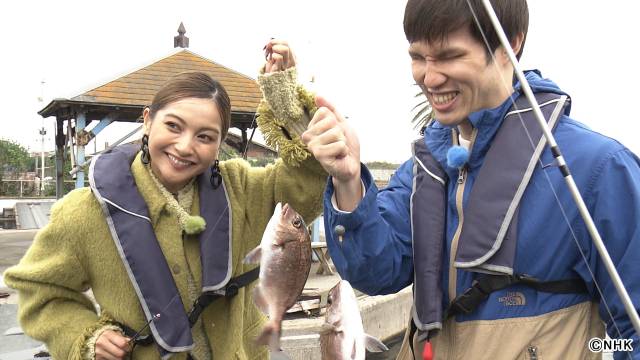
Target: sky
{"type": "Point", "coordinates": [355, 50]}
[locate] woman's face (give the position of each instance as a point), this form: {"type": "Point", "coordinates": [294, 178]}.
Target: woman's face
{"type": "Point", "coordinates": [184, 138]}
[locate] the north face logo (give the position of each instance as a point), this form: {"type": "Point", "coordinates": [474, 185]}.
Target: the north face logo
{"type": "Point", "coordinates": [513, 299]}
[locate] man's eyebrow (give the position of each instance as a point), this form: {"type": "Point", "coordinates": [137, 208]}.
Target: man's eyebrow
{"type": "Point", "coordinates": [439, 53]}
{"type": "Point", "coordinates": [448, 52]}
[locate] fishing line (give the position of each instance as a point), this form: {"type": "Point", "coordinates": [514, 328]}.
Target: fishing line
{"type": "Point", "coordinates": [565, 217]}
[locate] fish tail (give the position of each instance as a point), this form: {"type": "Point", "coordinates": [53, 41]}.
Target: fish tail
{"type": "Point", "coordinates": [278, 355]}
{"type": "Point", "coordinates": [270, 335]}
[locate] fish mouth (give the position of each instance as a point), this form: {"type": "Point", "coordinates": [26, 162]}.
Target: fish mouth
{"type": "Point", "coordinates": [336, 292]}
{"type": "Point", "coordinates": [285, 210]}
{"type": "Point", "coordinates": [345, 285]}
{"type": "Point", "coordinates": [288, 213]}
{"type": "Point", "coordinates": [341, 288]}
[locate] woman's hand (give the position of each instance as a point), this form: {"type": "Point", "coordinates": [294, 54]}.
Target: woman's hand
{"type": "Point", "coordinates": [111, 345]}
{"type": "Point", "coordinates": [278, 55]}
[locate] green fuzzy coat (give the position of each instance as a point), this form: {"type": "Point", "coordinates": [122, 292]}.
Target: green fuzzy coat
{"type": "Point", "coordinates": [75, 252]}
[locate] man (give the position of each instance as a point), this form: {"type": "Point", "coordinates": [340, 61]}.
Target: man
{"type": "Point", "coordinates": [501, 263]}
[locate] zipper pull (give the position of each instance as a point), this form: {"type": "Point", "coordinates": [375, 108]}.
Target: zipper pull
{"type": "Point", "coordinates": [533, 352]}
{"type": "Point", "coordinates": [427, 353]}
{"type": "Point", "coordinates": [461, 174]}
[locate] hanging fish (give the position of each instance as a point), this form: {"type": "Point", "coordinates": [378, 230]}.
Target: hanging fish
{"type": "Point", "coordinates": [284, 255]}
{"type": "Point", "coordinates": [342, 336]}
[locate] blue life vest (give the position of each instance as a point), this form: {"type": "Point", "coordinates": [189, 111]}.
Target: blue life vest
{"type": "Point", "coordinates": [488, 236]}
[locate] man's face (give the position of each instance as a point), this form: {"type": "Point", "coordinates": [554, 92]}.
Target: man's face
{"type": "Point", "coordinates": [456, 78]}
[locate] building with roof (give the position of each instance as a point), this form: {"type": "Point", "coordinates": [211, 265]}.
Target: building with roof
{"type": "Point", "coordinates": [80, 118]}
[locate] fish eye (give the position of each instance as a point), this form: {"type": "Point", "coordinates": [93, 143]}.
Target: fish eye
{"type": "Point", "coordinates": [329, 300]}
{"type": "Point", "coordinates": [297, 222]}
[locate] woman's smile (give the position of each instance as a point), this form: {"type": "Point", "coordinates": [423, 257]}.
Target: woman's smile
{"type": "Point", "coordinates": [178, 163]}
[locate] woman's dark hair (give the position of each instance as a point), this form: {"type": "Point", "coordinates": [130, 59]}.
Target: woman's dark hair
{"type": "Point", "coordinates": [434, 20]}
{"type": "Point", "coordinates": [194, 85]}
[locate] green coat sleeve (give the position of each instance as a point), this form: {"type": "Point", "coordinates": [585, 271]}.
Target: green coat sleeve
{"type": "Point", "coordinates": [50, 280]}
{"type": "Point", "coordinates": [301, 186]}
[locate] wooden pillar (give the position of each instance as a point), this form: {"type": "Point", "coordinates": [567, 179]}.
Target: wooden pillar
{"type": "Point", "coordinates": [60, 140]}
{"type": "Point", "coordinates": [245, 149]}
{"type": "Point", "coordinates": [80, 124]}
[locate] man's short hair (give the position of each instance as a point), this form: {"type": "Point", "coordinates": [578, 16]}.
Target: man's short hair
{"type": "Point", "coordinates": [433, 20]}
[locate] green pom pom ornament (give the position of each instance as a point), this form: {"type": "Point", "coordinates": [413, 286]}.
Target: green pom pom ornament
{"type": "Point", "coordinates": [194, 225]}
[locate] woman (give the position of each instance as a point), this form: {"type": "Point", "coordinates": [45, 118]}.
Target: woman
{"type": "Point", "coordinates": [161, 225]}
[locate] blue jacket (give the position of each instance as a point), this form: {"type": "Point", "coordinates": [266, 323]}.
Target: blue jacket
{"type": "Point", "coordinates": [376, 254]}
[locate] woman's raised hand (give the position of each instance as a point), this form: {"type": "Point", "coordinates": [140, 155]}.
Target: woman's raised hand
{"type": "Point", "coordinates": [278, 56]}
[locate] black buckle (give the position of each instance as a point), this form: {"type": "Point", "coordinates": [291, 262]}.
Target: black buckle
{"type": "Point", "coordinates": [527, 279]}
{"type": "Point", "coordinates": [231, 290]}
{"type": "Point", "coordinates": [195, 312]}
{"type": "Point", "coordinates": [144, 340]}
{"type": "Point", "coordinates": [469, 299]}
{"type": "Point", "coordinates": [200, 304]}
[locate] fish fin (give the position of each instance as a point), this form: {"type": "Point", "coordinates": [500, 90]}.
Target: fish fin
{"type": "Point", "coordinates": [270, 336]}
{"type": "Point", "coordinates": [254, 256]}
{"type": "Point", "coordinates": [278, 355]}
{"type": "Point", "coordinates": [327, 328]}
{"type": "Point", "coordinates": [259, 299]}
{"type": "Point", "coordinates": [373, 344]}
{"type": "Point", "coordinates": [354, 350]}
{"type": "Point", "coordinates": [282, 238]}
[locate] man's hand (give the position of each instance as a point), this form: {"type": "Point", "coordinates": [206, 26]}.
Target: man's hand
{"type": "Point", "coordinates": [111, 345]}
{"type": "Point", "coordinates": [335, 145]}
{"type": "Point", "coordinates": [278, 56]}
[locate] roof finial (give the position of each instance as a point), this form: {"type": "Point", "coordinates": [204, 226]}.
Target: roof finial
{"type": "Point", "coordinates": [181, 40]}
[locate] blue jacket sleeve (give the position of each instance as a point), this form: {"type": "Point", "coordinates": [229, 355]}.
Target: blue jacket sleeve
{"type": "Point", "coordinates": [614, 201]}
{"type": "Point", "coordinates": [375, 254]}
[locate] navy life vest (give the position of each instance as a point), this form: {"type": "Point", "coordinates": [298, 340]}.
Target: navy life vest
{"type": "Point", "coordinates": [130, 225]}
{"type": "Point", "coordinates": [488, 237]}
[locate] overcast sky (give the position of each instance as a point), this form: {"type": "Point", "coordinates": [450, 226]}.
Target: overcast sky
{"type": "Point", "coordinates": [355, 50]}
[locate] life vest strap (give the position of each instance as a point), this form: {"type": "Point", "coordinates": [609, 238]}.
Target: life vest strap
{"type": "Point", "coordinates": [205, 299]}
{"type": "Point", "coordinates": [230, 290]}
{"type": "Point", "coordinates": [481, 288]}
